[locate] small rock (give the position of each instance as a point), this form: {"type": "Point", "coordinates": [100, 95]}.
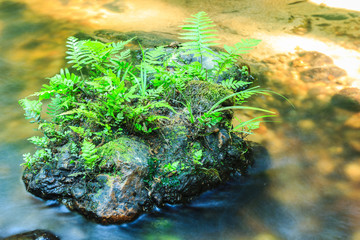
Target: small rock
{"type": "Point", "coordinates": [348, 98]}
{"type": "Point", "coordinates": [326, 74]}
{"type": "Point", "coordinates": [312, 59]}
{"type": "Point", "coordinates": [306, 124]}
{"type": "Point", "coordinates": [34, 235]}
{"type": "Point", "coordinates": [265, 236]}
{"type": "Point", "coordinates": [353, 121]}
{"type": "Point", "coordinates": [352, 171]}
{"type": "Point", "coordinates": [355, 144]}
{"type": "Point", "coordinates": [332, 16]}
{"type": "Point", "coordinates": [356, 235]}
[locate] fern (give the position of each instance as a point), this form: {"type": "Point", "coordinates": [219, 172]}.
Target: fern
{"type": "Point", "coordinates": [89, 153]}
{"type": "Point", "coordinates": [55, 107]}
{"type": "Point", "coordinates": [39, 141]}
{"type": "Point", "coordinates": [75, 53]}
{"type": "Point", "coordinates": [153, 57]}
{"type": "Point", "coordinates": [228, 59]}
{"type": "Point", "coordinates": [248, 126]}
{"type": "Point", "coordinates": [87, 53]}
{"type": "Point", "coordinates": [201, 36]}
{"type": "Point", "coordinates": [234, 84]}
{"type": "Point", "coordinates": [78, 130]}
{"type": "Point", "coordinates": [32, 109]}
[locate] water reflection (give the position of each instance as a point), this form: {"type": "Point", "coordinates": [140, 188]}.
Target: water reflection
{"type": "Point", "coordinates": [309, 189]}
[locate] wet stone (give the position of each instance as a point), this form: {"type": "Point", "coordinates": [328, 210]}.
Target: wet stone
{"type": "Point", "coordinates": [352, 171]}
{"type": "Point", "coordinates": [34, 235]}
{"type": "Point", "coordinates": [324, 74]}
{"type": "Point", "coordinates": [332, 17]}
{"type": "Point", "coordinates": [353, 121]}
{"type": "Point", "coordinates": [348, 98]}
{"type": "Point", "coordinates": [147, 40]}
{"type": "Point", "coordinates": [115, 6]}
{"type": "Point", "coordinates": [313, 59]}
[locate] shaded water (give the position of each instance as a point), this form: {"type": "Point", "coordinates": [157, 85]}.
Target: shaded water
{"type": "Point", "coordinates": [311, 189]}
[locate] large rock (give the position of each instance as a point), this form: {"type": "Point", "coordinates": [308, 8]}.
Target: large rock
{"type": "Point", "coordinates": [117, 194]}
{"type": "Point", "coordinates": [136, 175]}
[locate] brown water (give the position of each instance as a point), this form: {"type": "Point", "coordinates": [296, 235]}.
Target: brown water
{"type": "Point", "coordinates": [311, 189]}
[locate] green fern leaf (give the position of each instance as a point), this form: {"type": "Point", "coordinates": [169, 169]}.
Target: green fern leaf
{"type": "Point", "coordinates": [89, 153]}
{"type": "Point", "coordinates": [234, 84]}
{"type": "Point", "coordinates": [32, 109]}
{"type": "Point", "coordinates": [39, 141]}
{"type": "Point", "coordinates": [200, 34]}
{"type": "Point", "coordinates": [55, 107]}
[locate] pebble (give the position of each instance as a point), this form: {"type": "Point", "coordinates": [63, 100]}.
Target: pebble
{"type": "Point", "coordinates": [352, 171]}
{"type": "Point", "coordinates": [306, 124]}
{"type": "Point", "coordinates": [266, 236]}
{"type": "Point", "coordinates": [355, 144]}
{"type": "Point", "coordinates": [356, 235]}
{"type": "Point", "coordinates": [353, 121]}
{"type": "Point", "coordinates": [325, 166]}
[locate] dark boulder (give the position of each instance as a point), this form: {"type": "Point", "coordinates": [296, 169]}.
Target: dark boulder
{"type": "Point", "coordinates": [117, 194]}
{"type": "Point", "coordinates": [135, 175]}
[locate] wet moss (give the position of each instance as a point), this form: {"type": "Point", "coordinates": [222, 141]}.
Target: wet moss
{"type": "Point", "coordinates": [123, 150]}
{"type": "Point", "coordinates": [203, 95]}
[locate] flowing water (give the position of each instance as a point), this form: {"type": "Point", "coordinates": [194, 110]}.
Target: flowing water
{"type": "Point", "coordinates": [311, 187]}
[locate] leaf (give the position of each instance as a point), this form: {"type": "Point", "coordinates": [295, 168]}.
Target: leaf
{"type": "Point", "coordinates": [32, 109]}
{"type": "Point", "coordinates": [200, 34]}
{"type": "Point", "coordinates": [89, 153]}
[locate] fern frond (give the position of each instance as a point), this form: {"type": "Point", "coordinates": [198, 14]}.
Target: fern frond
{"type": "Point", "coordinates": [228, 59]}
{"type": "Point", "coordinates": [39, 141]}
{"type": "Point", "coordinates": [234, 84]}
{"type": "Point", "coordinates": [55, 107]}
{"type": "Point", "coordinates": [89, 153]}
{"type": "Point", "coordinates": [75, 52]}
{"type": "Point", "coordinates": [32, 109]}
{"type": "Point", "coordinates": [154, 93]}
{"type": "Point", "coordinates": [201, 35]}
{"type": "Point", "coordinates": [87, 53]}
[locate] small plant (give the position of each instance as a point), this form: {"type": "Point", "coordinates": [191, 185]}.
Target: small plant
{"type": "Point", "coordinates": [104, 95]}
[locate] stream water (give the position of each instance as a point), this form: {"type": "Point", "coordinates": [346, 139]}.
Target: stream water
{"type": "Point", "coordinates": [311, 187]}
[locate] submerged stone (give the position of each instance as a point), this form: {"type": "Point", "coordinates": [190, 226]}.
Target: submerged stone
{"type": "Point", "coordinates": [328, 73]}
{"type": "Point", "coordinates": [348, 98]}
{"type": "Point", "coordinates": [332, 16]}
{"type": "Point", "coordinates": [34, 235]}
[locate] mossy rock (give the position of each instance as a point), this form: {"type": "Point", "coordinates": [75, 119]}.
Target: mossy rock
{"type": "Point", "coordinates": [124, 150]}
{"type": "Point", "coordinates": [203, 95]}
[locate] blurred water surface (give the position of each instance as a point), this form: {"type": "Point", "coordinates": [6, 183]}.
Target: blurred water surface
{"type": "Point", "coordinates": [311, 188]}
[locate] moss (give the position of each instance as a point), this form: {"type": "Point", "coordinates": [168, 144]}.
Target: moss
{"type": "Point", "coordinates": [122, 150]}
{"type": "Point", "coordinates": [203, 95]}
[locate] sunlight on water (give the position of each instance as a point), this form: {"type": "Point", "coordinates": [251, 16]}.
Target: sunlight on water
{"type": "Point", "coordinates": [117, 15]}
{"type": "Point", "coordinates": [347, 59]}
{"type": "Point", "coordinates": [345, 4]}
